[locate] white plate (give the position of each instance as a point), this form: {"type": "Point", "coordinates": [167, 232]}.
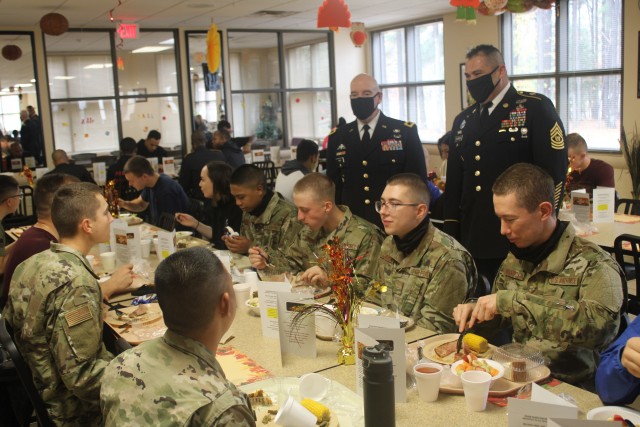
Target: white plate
{"type": "Point", "coordinates": [603, 413]}
{"type": "Point", "coordinates": [183, 234]}
{"type": "Point", "coordinates": [431, 343]}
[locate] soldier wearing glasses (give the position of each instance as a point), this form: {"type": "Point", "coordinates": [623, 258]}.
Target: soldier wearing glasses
{"type": "Point", "coordinates": [10, 196]}
{"type": "Point", "coordinates": [426, 272]}
{"type": "Point", "coordinates": [363, 154]}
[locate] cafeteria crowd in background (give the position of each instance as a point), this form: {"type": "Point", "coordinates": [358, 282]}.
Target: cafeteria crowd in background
{"type": "Point", "coordinates": [502, 261]}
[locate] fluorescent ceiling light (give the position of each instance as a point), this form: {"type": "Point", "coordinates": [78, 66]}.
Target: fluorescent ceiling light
{"type": "Point", "coordinates": [97, 66]}
{"type": "Point", "coordinates": [6, 89]}
{"type": "Point", "coordinates": [151, 49]}
{"type": "Point", "coordinates": [167, 41]}
{"type": "Point", "coordinates": [32, 80]}
{"type": "Point", "coordinates": [64, 77]}
{"type": "Point", "coordinates": [24, 85]}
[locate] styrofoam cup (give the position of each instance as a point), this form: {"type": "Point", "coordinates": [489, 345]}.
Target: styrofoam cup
{"type": "Point", "coordinates": [242, 291]}
{"type": "Point", "coordinates": [108, 260]}
{"type": "Point", "coordinates": [313, 386]}
{"type": "Point", "coordinates": [428, 382]}
{"type": "Point", "coordinates": [91, 259]}
{"type": "Point", "coordinates": [145, 244]}
{"type": "Point", "coordinates": [293, 414]}
{"type": "Point", "coordinates": [476, 389]}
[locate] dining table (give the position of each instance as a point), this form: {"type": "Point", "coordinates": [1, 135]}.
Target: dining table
{"type": "Point", "coordinates": [604, 233]}
{"type": "Point", "coordinates": [264, 367]}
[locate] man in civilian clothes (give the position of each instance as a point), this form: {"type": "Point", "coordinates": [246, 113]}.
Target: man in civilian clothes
{"type": "Point", "coordinates": [502, 128]}
{"type": "Point", "coordinates": [364, 154]}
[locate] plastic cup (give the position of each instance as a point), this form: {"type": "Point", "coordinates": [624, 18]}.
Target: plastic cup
{"type": "Point", "coordinates": [428, 377]}
{"type": "Point", "coordinates": [145, 244]}
{"type": "Point", "coordinates": [91, 259]}
{"type": "Point", "coordinates": [476, 389]}
{"type": "Point", "coordinates": [293, 414]}
{"type": "Point", "coordinates": [326, 326]}
{"type": "Point", "coordinates": [313, 386]}
{"type": "Point", "coordinates": [226, 261]}
{"type": "Point", "coordinates": [242, 291]}
{"type": "Point", "coordinates": [108, 260]}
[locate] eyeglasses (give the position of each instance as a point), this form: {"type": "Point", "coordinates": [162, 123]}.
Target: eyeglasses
{"type": "Point", "coordinates": [391, 205]}
{"type": "Point", "coordinates": [11, 197]}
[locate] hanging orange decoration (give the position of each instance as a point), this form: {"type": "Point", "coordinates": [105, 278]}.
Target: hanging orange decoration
{"type": "Point", "coordinates": [333, 14]}
{"type": "Point", "coordinates": [358, 34]}
{"type": "Point", "coordinates": [213, 49]}
{"type": "Point", "coordinates": [120, 63]}
{"type": "Point", "coordinates": [466, 10]}
{"type": "Point", "coordinates": [54, 24]}
{"type": "Point", "coordinates": [11, 52]}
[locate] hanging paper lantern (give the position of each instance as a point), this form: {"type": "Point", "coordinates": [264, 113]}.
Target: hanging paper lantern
{"type": "Point", "coordinates": [11, 52]}
{"type": "Point", "coordinates": [120, 63]}
{"type": "Point", "coordinates": [213, 49]}
{"type": "Point", "coordinates": [333, 14]}
{"type": "Point", "coordinates": [54, 24]}
{"type": "Point", "coordinates": [519, 6]}
{"type": "Point", "coordinates": [358, 34]}
{"type": "Point", "coordinates": [495, 4]}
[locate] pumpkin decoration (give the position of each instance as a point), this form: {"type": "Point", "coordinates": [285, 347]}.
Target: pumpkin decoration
{"type": "Point", "coordinates": [11, 52]}
{"type": "Point", "coordinates": [358, 34]}
{"type": "Point", "coordinates": [54, 24]}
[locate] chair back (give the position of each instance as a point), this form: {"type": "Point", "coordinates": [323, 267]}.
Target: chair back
{"type": "Point", "coordinates": [629, 206]}
{"type": "Point", "coordinates": [483, 287]}
{"type": "Point", "coordinates": [628, 245]}
{"type": "Point", "coordinates": [24, 373]}
{"type": "Point", "coordinates": [269, 169]}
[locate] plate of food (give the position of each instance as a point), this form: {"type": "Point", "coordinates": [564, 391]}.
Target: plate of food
{"type": "Point", "coordinates": [253, 304]}
{"type": "Point", "coordinates": [325, 325]}
{"type": "Point", "coordinates": [608, 413]}
{"type": "Point", "coordinates": [472, 363]}
{"type": "Point", "coordinates": [442, 349]}
{"type": "Point", "coordinates": [266, 410]}
{"type": "Point", "coordinates": [141, 315]}
{"type": "Point", "coordinates": [130, 219]}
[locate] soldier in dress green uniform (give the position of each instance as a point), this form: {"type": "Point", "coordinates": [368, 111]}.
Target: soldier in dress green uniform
{"type": "Point", "coordinates": [560, 293]}
{"type": "Point", "coordinates": [314, 196]}
{"type": "Point", "coordinates": [426, 272]}
{"type": "Point", "coordinates": [176, 380]}
{"type": "Point", "coordinates": [268, 220]}
{"type": "Point", "coordinates": [55, 309]}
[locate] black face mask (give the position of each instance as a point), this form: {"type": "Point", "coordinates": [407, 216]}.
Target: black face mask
{"type": "Point", "coordinates": [481, 87]}
{"type": "Point", "coordinates": [363, 107]}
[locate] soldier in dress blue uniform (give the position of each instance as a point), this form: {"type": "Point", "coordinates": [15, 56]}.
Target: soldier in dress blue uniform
{"type": "Point", "coordinates": [502, 128]}
{"type": "Point", "coordinates": [364, 154]}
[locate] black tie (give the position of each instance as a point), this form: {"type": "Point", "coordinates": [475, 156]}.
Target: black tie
{"type": "Point", "coordinates": [366, 138]}
{"type": "Point", "coordinates": [484, 115]}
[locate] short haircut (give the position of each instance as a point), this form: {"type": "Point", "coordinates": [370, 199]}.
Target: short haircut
{"type": "Point", "coordinates": [491, 52]}
{"type": "Point", "coordinates": [46, 187]}
{"type": "Point", "coordinates": [138, 166]}
{"type": "Point", "coordinates": [220, 174]}
{"type": "Point", "coordinates": [59, 155]}
{"type": "Point", "coordinates": [198, 139]}
{"type": "Point", "coordinates": [224, 125]}
{"type": "Point", "coordinates": [306, 149]}
{"type": "Point", "coordinates": [8, 187]}
{"type": "Point", "coordinates": [73, 203]}
{"type": "Point", "coordinates": [416, 185]}
{"type": "Point", "coordinates": [189, 284]}
{"type": "Point", "coordinates": [224, 134]}
{"type": "Point", "coordinates": [444, 140]}
{"type": "Point", "coordinates": [154, 134]}
{"type": "Point", "coordinates": [576, 141]}
{"type": "Point", "coordinates": [249, 176]}
{"type": "Point", "coordinates": [531, 184]}
{"type": "Point", "coordinates": [127, 146]}
{"type": "Point", "coordinates": [320, 185]}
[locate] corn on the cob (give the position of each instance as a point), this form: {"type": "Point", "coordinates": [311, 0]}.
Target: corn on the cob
{"type": "Point", "coordinates": [476, 343]}
{"type": "Point", "coordinates": [321, 412]}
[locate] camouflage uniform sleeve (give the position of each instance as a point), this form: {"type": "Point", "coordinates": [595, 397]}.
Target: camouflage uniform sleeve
{"type": "Point", "coordinates": [366, 264]}
{"type": "Point", "coordinates": [291, 256]}
{"type": "Point", "coordinates": [448, 287]}
{"type": "Point", "coordinates": [76, 342]}
{"type": "Point", "coordinates": [591, 321]}
{"type": "Point", "coordinates": [236, 416]}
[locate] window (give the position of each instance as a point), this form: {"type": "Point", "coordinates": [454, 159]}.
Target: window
{"type": "Point", "coordinates": [96, 101]}
{"type": "Point", "coordinates": [573, 56]}
{"type": "Point", "coordinates": [408, 63]}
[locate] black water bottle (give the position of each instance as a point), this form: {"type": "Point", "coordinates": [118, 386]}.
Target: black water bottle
{"type": "Point", "coordinates": [378, 388]}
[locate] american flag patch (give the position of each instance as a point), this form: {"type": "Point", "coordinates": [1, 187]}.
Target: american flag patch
{"type": "Point", "coordinates": [78, 315]}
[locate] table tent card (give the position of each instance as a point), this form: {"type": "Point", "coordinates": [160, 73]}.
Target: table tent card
{"type": "Point", "coordinates": [30, 162]}
{"type": "Point", "coordinates": [298, 339]}
{"type": "Point", "coordinates": [373, 330]}
{"type": "Point", "coordinates": [40, 172]}
{"type": "Point", "coordinates": [604, 204]}
{"type": "Point", "coordinates": [168, 166]}
{"type": "Point", "coordinates": [154, 163]}
{"type": "Point", "coordinates": [125, 242]}
{"type": "Point", "coordinates": [543, 405]}
{"type": "Point", "coordinates": [16, 164]}
{"type": "Point", "coordinates": [580, 205]}
{"type": "Point", "coordinates": [268, 301]}
{"type": "Point", "coordinates": [166, 243]}
{"type": "Point", "coordinates": [100, 173]}
{"type": "Point", "coordinates": [257, 155]}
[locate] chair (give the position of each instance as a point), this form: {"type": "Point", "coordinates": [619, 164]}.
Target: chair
{"type": "Point", "coordinates": [269, 169]}
{"type": "Point", "coordinates": [24, 373]}
{"type": "Point", "coordinates": [483, 287]}
{"type": "Point", "coordinates": [630, 206]}
{"type": "Point", "coordinates": [630, 249]}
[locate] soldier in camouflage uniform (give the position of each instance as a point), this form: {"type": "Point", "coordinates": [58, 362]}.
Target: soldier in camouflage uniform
{"type": "Point", "coordinates": [55, 311]}
{"type": "Point", "coordinates": [426, 272]}
{"type": "Point", "coordinates": [176, 379]}
{"type": "Point", "coordinates": [314, 196]}
{"type": "Point", "coordinates": [268, 220]}
{"type": "Point", "coordinates": [561, 294]}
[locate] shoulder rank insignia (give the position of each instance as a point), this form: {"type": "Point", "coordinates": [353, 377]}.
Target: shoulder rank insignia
{"type": "Point", "coordinates": [557, 140]}
{"type": "Point", "coordinates": [409, 124]}
{"type": "Point", "coordinates": [78, 315]}
{"type": "Point", "coordinates": [530, 95]}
